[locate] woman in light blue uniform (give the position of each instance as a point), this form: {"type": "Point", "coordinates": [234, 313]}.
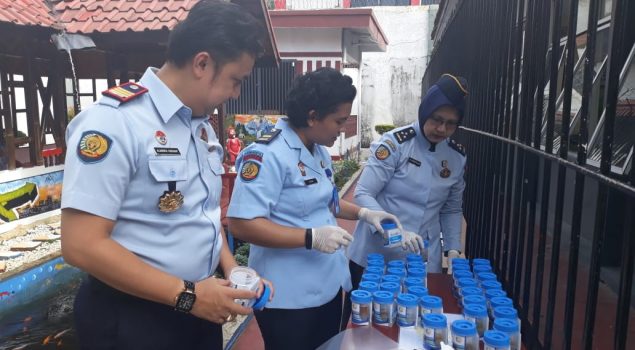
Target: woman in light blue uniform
{"type": "Point", "coordinates": [416, 171]}
{"type": "Point", "coordinates": [285, 203]}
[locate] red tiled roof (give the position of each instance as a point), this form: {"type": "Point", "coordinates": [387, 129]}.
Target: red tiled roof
{"type": "Point", "coordinates": [27, 13]}
{"type": "Point", "coordinates": [87, 16]}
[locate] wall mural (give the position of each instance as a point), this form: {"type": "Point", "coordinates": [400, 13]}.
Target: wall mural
{"type": "Point", "coordinates": [30, 196]}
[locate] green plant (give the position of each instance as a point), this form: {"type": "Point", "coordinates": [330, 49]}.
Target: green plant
{"type": "Point", "coordinates": [242, 254]}
{"type": "Point", "coordinates": [383, 128]}
{"type": "Point", "coordinates": [343, 171]}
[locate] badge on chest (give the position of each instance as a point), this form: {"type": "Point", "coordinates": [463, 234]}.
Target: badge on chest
{"type": "Point", "coordinates": [445, 172]}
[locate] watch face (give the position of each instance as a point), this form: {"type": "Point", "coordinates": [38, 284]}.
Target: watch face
{"type": "Point", "coordinates": [185, 301]}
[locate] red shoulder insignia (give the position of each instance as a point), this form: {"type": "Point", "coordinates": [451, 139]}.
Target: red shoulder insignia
{"type": "Point", "coordinates": [125, 92]}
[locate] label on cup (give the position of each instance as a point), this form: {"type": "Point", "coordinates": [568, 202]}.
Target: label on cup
{"type": "Point", "coordinates": [246, 279]}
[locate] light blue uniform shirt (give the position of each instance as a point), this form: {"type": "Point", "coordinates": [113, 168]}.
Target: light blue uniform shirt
{"type": "Point", "coordinates": [283, 182]}
{"type": "Point", "coordinates": [405, 179]}
{"type": "Point", "coordinates": [125, 185]}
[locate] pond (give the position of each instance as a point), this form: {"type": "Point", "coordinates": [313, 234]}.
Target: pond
{"type": "Point", "coordinates": [36, 307]}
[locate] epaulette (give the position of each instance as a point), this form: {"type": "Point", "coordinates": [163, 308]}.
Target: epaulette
{"type": "Point", "coordinates": [268, 137]}
{"type": "Point", "coordinates": [125, 92]}
{"type": "Point", "coordinates": [457, 147]}
{"type": "Point", "coordinates": [405, 134]}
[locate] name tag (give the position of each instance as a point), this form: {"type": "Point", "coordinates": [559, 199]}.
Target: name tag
{"type": "Point", "coordinates": [166, 151]}
{"type": "Point", "coordinates": [310, 181]}
{"type": "Point", "coordinates": [414, 161]}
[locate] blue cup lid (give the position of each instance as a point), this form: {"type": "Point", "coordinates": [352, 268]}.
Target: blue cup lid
{"type": "Point", "coordinates": [416, 272]}
{"type": "Point", "coordinates": [471, 291]}
{"type": "Point", "coordinates": [481, 268]}
{"type": "Point", "coordinates": [264, 298]}
{"type": "Point", "coordinates": [397, 271]}
{"type": "Point", "coordinates": [491, 285]}
{"type": "Point", "coordinates": [474, 299]}
{"type": "Point", "coordinates": [501, 301]}
{"type": "Point", "coordinates": [462, 274]}
{"type": "Point", "coordinates": [379, 263]}
{"type": "Point", "coordinates": [375, 256]}
{"type": "Point", "coordinates": [507, 325]}
{"type": "Point", "coordinates": [457, 261]}
{"type": "Point", "coordinates": [413, 257]}
{"type": "Point", "coordinates": [396, 263]}
{"type": "Point", "coordinates": [492, 293]}
{"type": "Point", "coordinates": [383, 296]}
{"type": "Point", "coordinates": [459, 267]}
{"type": "Point", "coordinates": [496, 339]}
{"type": "Point", "coordinates": [463, 328]}
{"type": "Point", "coordinates": [413, 281]}
{"type": "Point", "coordinates": [434, 320]}
{"type": "Point", "coordinates": [388, 224]}
{"type": "Point", "coordinates": [371, 277]}
{"type": "Point", "coordinates": [431, 301]}
{"type": "Point", "coordinates": [361, 296]}
{"type": "Point", "coordinates": [486, 276]}
{"type": "Point", "coordinates": [419, 291]}
{"type": "Point", "coordinates": [416, 265]}
{"type": "Point", "coordinates": [378, 270]}
{"type": "Point", "coordinates": [505, 312]}
{"type": "Point", "coordinates": [479, 261]}
{"type": "Point", "coordinates": [407, 299]}
{"type": "Point", "coordinates": [391, 278]}
{"type": "Point", "coordinates": [467, 282]}
{"type": "Point", "coordinates": [475, 310]}
{"type": "Point", "coordinates": [389, 286]}
{"type": "Point", "coordinates": [369, 286]}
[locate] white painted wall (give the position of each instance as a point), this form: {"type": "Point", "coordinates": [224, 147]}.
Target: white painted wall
{"type": "Point", "coordinates": [349, 144]}
{"type": "Point", "coordinates": [308, 39]}
{"type": "Point", "coordinates": [391, 80]}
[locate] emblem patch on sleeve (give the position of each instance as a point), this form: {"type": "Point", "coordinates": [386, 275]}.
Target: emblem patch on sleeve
{"type": "Point", "coordinates": [249, 171]}
{"type": "Point", "coordinates": [382, 152]}
{"type": "Point", "coordinates": [93, 146]}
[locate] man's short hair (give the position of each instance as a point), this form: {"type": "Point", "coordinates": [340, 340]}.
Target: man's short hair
{"type": "Point", "coordinates": [222, 29]}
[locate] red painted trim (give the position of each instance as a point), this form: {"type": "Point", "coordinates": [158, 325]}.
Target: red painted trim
{"type": "Point", "coordinates": [310, 54]}
{"type": "Point", "coordinates": [280, 4]}
{"type": "Point", "coordinates": [336, 157]}
{"type": "Point", "coordinates": [346, 4]}
{"type": "Point", "coordinates": [309, 66]}
{"type": "Point", "coordinates": [415, 2]}
{"type": "Point", "coordinates": [299, 65]}
{"type": "Point", "coordinates": [338, 65]}
{"type": "Point", "coordinates": [337, 18]}
{"type": "Point", "coordinates": [318, 64]}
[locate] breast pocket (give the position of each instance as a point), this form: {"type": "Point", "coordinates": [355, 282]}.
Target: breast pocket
{"type": "Point", "coordinates": [168, 169]}
{"type": "Point", "coordinates": [294, 195]}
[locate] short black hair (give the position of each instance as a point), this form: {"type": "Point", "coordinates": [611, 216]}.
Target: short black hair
{"type": "Point", "coordinates": [222, 29]}
{"type": "Point", "coordinates": [322, 90]}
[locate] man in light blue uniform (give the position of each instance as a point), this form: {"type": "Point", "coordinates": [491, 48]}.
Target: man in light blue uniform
{"type": "Point", "coordinates": [416, 173]}
{"type": "Point", "coordinates": [141, 194]}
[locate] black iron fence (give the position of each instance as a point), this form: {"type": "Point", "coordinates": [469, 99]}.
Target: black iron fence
{"type": "Point", "coordinates": [549, 133]}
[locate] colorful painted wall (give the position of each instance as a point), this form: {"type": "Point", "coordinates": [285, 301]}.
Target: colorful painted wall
{"type": "Point", "coordinates": [30, 196]}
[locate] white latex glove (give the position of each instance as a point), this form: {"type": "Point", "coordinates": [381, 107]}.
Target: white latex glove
{"type": "Point", "coordinates": [451, 255]}
{"type": "Point", "coordinates": [412, 242]}
{"type": "Point", "coordinates": [375, 217]}
{"type": "Point", "coordinates": [445, 346]}
{"type": "Point", "coordinates": [328, 239]}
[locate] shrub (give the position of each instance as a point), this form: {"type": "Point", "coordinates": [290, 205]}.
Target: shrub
{"type": "Point", "coordinates": [343, 171]}
{"type": "Point", "coordinates": [383, 128]}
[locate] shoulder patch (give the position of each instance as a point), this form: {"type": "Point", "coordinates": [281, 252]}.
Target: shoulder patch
{"type": "Point", "coordinates": [268, 137]}
{"type": "Point", "coordinates": [405, 134]}
{"type": "Point", "coordinates": [249, 171]}
{"type": "Point", "coordinates": [382, 152]}
{"type": "Point", "coordinates": [457, 147]}
{"type": "Point", "coordinates": [93, 146]}
{"type": "Point", "coordinates": [125, 92]}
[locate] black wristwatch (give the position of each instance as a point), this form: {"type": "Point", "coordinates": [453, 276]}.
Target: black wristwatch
{"type": "Point", "coordinates": [185, 300]}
